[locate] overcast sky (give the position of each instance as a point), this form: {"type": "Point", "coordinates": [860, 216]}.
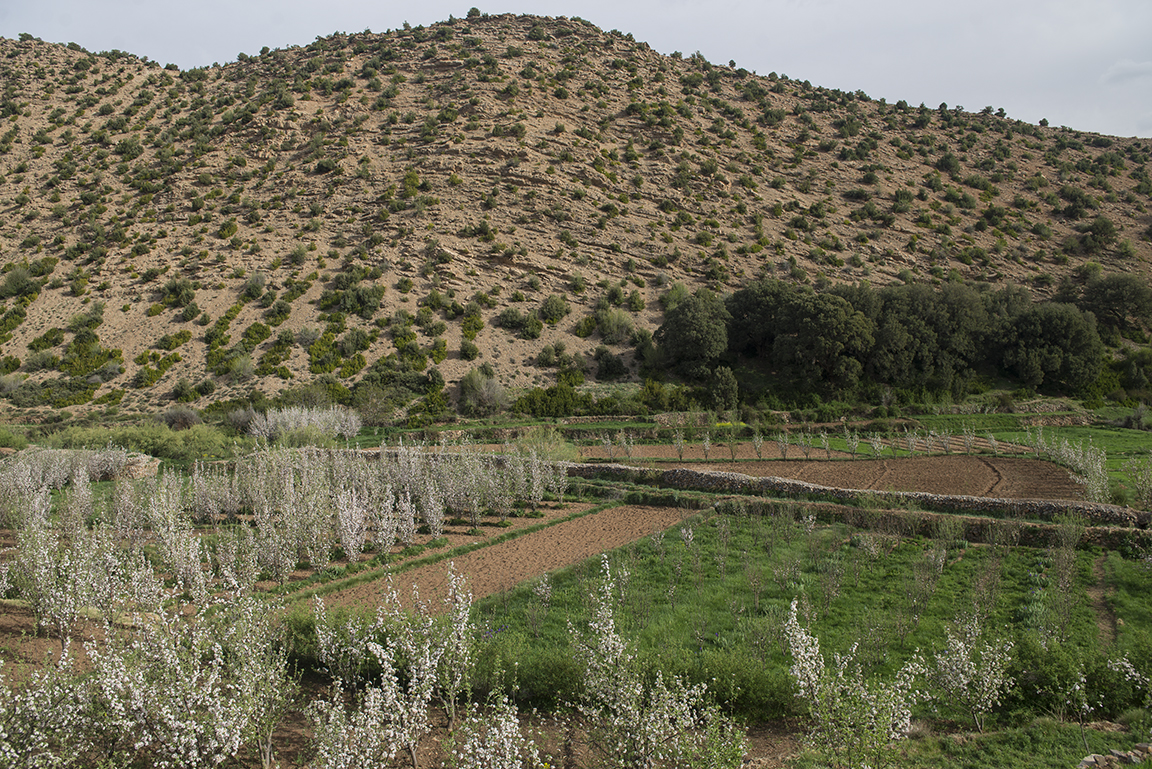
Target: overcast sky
{"type": "Point", "coordinates": [1086, 64]}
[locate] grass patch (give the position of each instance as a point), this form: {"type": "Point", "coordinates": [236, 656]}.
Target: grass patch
{"type": "Point", "coordinates": [1041, 744]}
{"type": "Point", "coordinates": [712, 610]}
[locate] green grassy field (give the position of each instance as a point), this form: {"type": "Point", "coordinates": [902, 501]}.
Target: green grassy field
{"type": "Point", "coordinates": [710, 606]}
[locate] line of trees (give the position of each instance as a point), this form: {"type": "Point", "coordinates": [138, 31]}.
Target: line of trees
{"type": "Point", "coordinates": [852, 341]}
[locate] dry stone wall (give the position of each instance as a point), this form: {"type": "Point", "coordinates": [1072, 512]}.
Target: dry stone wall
{"type": "Point", "coordinates": [737, 483]}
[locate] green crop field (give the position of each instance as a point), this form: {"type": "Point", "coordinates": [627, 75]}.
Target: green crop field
{"type": "Point", "coordinates": [707, 600]}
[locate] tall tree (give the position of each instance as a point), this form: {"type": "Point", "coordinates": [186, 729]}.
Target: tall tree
{"type": "Point", "coordinates": [754, 312]}
{"type": "Point", "coordinates": [694, 335]}
{"type": "Point", "coordinates": [1122, 301]}
{"type": "Point", "coordinates": [820, 342]}
{"type": "Point", "coordinates": [1054, 346]}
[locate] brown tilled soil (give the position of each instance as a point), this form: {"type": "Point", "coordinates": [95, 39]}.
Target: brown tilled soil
{"type": "Point", "coordinates": [1005, 477]}
{"type": "Point", "coordinates": [979, 475]}
{"type": "Point", "coordinates": [502, 566]}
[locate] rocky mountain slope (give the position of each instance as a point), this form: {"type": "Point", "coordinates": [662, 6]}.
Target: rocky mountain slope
{"type": "Point", "coordinates": [371, 206]}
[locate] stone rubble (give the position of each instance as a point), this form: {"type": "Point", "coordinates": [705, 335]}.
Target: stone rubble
{"type": "Point", "coordinates": [1118, 758]}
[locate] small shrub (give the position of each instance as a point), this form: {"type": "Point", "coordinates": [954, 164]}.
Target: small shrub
{"type": "Point", "coordinates": [615, 325]}
{"type": "Point", "coordinates": [172, 341]}
{"type": "Point", "coordinates": [254, 286]}
{"type": "Point", "coordinates": [471, 326]}
{"type": "Point", "coordinates": [49, 338]}
{"type": "Point", "coordinates": [181, 417]}
{"type": "Point", "coordinates": [12, 440]}
{"type": "Point", "coordinates": [585, 326]}
{"type": "Point", "coordinates": [480, 393]}
{"type": "Point", "coordinates": [41, 361]}
{"type": "Point", "coordinates": [240, 368]}
{"type": "Point", "coordinates": [178, 292]}
{"type": "Point", "coordinates": [553, 309]}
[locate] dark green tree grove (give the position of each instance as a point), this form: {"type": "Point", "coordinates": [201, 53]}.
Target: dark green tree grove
{"type": "Point", "coordinates": [694, 335]}
{"type": "Point", "coordinates": [916, 339]}
{"type": "Point", "coordinates": [926, 339]}
{"type": "Point", "coordinates": [1121, 301]}
{"type": "Point", "coordinates": [1052, 345]}
{"type": "Point", "coordinates": [820, 343]}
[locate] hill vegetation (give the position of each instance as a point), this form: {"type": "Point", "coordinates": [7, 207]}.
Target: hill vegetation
{"type": "Point", "coordinates": [497, 210]}
{"type": "Point", "coordinates": [534, 218]}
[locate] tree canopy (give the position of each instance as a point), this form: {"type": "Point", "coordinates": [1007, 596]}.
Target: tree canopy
{"type": "Point", "coordinates": [1119, 300]}
{"type": "Point", "coordinates": [694, 334]}
{"type": "Point", "coordinates": [1053, 345]}
{"type": "Point", "coordinates": [915, 338]}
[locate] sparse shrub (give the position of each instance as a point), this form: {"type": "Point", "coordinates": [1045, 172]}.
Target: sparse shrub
{"type": "Point", "coordinates": [181, 417]}
{"type": "Point", "coordinates": [480, 393]}
{"type": "Point", "coordinates": [609, 365]}
{"type": "Point", "coordinates": [184, 392]}
{"type": "Point", "coordinates": [254, 285]}
{"type": "Point", "coordinates": [585, 326]}
{"type": "Point", "coordinates": [277, 425]}
{"type": "Point", "coordinates": [49, 338]}
{"type": "Point", "coordinates": [41, 361]}
{"type": "Point", "coordinates": [306, 337]}
{"type": "Point", "coordinates": [614, 324]}
{"type": "Point", "coordinates": [240, 368]}
{"type": "Point", "coordinates": [178, 292]}
{"type": "Point", "coordinates": [172, 341]}
{"type": "Point", "coordinates": [472, 323]}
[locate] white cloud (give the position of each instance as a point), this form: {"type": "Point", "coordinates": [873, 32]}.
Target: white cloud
{"type": "Point", "coordinates": [1125, 71]}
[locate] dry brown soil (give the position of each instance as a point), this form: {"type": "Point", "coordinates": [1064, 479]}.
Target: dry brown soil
{"type": "Point", "coordinates": [979, 475]}
{"type": "Point", "coordinates": [502, 566]}
{"type": "Point", "coordinates": [1005, 477]}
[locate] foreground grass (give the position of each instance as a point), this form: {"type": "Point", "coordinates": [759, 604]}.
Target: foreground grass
{"type": "Point", "coordinates": [712, 611]}
{"type": "Point", "coordinates": [1043, 744]}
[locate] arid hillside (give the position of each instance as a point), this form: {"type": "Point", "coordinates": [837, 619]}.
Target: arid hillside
{"type": "Point", "coordinates": [375, 207]}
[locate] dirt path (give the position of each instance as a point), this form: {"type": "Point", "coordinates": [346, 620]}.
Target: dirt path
{"type": "Point", "coordinates": [993, 490]}
{"type": "Point", "coordinates": [1098, 595]}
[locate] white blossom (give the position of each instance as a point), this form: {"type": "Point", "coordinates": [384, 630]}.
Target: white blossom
{"type": "Point", "coordinates": [855, 720]}
{"type": "Point", "coordinates": [972, 672]}
{"type": "Point", "coordinates": [493, 740]}
{"type": "Point", "coordinates": [42, 721]}
{"type": "Point", "coordinates": [456, 639]}
{"type": "Point", "coordinates": [638, 725]}
{"type": "Point", "coordinates": [186, 692]}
